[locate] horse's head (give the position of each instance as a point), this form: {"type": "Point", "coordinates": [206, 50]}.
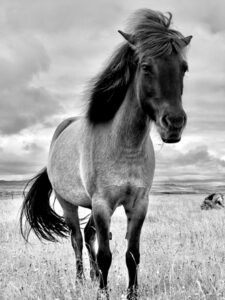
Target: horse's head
{"type": "Point", "coordinates": [159, 77]}
{"type": "Point", "coordinates": [159, 87]}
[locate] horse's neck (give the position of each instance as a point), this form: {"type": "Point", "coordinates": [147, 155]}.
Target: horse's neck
{"type": "Point", "coordinates": [130, 126]}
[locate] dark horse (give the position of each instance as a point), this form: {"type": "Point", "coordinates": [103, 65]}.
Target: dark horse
{"type": "Point", "coordinates": [106, 158]}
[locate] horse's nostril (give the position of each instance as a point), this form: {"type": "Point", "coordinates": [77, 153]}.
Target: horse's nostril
{"type": "Point", "coordinates": [175, 121]}
{"type": "Point", "coordinates": [165, 121]}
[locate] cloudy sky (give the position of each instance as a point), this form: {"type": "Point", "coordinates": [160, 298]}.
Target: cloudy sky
{"type": "Point", "coordinates": [49, 51]}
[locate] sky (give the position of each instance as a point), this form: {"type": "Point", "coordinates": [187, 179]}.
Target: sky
{"type": "Point", "coordinates": [50, 50]}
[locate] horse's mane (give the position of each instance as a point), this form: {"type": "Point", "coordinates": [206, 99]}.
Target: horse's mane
{"type": "Point", "coordinates": [151, 30]}
{"type": "Point", "coordinates": [110, 86]}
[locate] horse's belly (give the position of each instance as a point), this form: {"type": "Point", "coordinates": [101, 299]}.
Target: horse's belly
{"type": "Point", "coordinates": [77, 197]}
{"type": "Point", "coordinates": [69, 188]}
{"type": "Point", "coordinates": [64, 173]}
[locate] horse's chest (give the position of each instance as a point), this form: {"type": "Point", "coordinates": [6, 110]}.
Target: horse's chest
{"type": "Point", "coordinates": [126, 195]}
{"type": "Point", "coordinates": [126, 172]}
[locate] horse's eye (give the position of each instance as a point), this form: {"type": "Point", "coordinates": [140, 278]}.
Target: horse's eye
{"type": "Point", "coordinates": [147, 68]}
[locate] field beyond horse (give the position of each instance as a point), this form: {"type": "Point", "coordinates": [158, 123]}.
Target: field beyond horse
{"type": "Point", "coordinates": [182, 256]}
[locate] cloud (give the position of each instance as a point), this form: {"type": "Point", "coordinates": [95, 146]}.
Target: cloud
{"type": "Point", "coordinates": [22, 156]}
{"type": "Point", "coordinates": [21, 58]}
{"type": "Point", "coordinates": [34, 88]}
{"type": "Point", "coordinates": [200, 156]}
{"type": "Point", "coordinates": [210, 14]}
{"type": "Point", "coordinates": [24, 107]}
{"type": "Point", "coordinates": [198, 161]}
{"type": "Point", "coordinates": [32, 147]}
{"type": "Point", "coordinates": [54, 17]}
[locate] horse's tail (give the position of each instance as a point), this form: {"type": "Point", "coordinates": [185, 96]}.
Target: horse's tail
{"type": "Point", "coordinates": [37, 211]}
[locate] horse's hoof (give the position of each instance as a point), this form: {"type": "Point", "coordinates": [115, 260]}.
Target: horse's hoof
{"type": "Point", "coordinates": [132, 294]}
{"type": "Point", "coordinates": [103, 294]}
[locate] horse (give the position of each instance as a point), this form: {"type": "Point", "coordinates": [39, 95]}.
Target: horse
{"type": "Point", "coordinates": [105, 158]}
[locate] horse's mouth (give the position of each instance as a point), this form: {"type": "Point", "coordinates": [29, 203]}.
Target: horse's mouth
{"type": "Point", "coordinates": [169, 134]}
{"type": "Point", "coordinates": [171, 137]}
{"type": "Point", "coordinates": [171, 140]}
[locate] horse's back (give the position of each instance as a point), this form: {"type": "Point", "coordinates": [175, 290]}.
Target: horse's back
{"type": "Point", "coordinates": [62, 126]}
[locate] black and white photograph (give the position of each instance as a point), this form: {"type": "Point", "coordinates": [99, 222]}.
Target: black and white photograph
{"type": "Point", "coordinates": [112, 150]}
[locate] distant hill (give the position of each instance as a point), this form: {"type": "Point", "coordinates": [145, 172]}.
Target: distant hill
{"type": "Point", "coordinates": [12, 189]}
{"type": "Point", "coordinates": [188, 186]}
{"type": "Point", "coordinates": [13, 182]}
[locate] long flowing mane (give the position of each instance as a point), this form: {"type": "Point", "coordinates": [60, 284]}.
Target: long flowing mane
{"type": "Point", "coordinates": [110, 87]}
{"type": "Point", "coordinates": [151, 30]}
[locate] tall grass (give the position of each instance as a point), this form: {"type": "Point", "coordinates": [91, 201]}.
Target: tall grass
{"type": "Point", "coordinates": [182, 256]}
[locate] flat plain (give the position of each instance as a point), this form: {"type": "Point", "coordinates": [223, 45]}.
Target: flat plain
{"type": "Point", "coordinates": [182, 256]}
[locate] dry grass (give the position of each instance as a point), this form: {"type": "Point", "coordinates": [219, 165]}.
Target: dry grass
{"type": "Point", "coordinates": [182, 256]}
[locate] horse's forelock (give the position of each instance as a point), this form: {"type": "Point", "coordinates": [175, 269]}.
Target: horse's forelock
{"type": "Point", "coordinates": [145, 17]}
{"type": "Point", "coordinates": [152, 32]}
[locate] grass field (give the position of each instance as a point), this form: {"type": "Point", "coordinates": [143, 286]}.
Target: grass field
{"type": "Point", "coordinates": [182, 256]}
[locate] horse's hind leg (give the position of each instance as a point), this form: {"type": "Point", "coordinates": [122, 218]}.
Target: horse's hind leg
{"type": "Point", "coordinates": [72, 220]}
{"type": "Point", "coordinates": [90, 238]}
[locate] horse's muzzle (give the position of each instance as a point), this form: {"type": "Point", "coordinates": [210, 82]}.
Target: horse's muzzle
{"type": "Point", "coordinates": [171, 127]}
{"type": "Point", "coordinates": [174, 121]}
{"type": "Point", "coordinates": [172, 138]}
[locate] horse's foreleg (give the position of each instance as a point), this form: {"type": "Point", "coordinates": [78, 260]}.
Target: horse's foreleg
{"type": "Point", "coordinates": [102, 215]}
{"type": "Point", "coordinates": [90, 238]}
{"type": "Point", "coordinates": [135, 219]}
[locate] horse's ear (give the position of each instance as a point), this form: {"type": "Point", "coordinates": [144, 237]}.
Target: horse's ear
{"type": "Point", "coordinates": [129, 38]}
{"type": "Point", "coordinates": [180, 43]}
{"type": "Point", "coordinates": [187, 40]}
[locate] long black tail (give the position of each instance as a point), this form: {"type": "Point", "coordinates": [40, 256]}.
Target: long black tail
{"type": "Point", "coordinates": [38, 213]}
